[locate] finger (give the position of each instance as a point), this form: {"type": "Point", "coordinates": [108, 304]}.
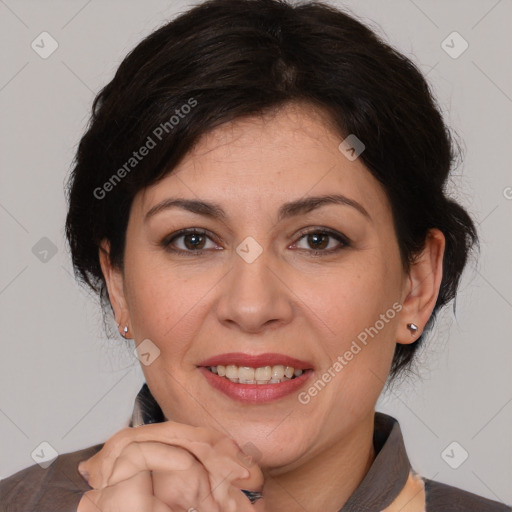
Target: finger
{"type": "Point", "coordinates": [198, 440]}
{"type": "Point", "coordinates": [225, 486]}
{"type": "Point", "coordinates": [98, 467]}
{"type": "Point", "coordinates": [132, 495]}
{"type": "Point", "coordinates": [152, 456]}
{"type": "Point", "coordinates": [185, 490]}
{"type": "Point", "coordinates": [182, 491]}
{"type": "Point", "coordinates": [236, 501]}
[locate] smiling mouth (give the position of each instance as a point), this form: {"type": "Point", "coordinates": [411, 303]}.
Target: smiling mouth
{"type": "Point", "coordinates": [256, 378]}
{"type": "Point", "coordinates": [261, 375]}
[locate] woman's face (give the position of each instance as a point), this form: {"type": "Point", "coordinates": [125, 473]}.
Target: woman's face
{"type": "Point", "coordinates": [262, 279]}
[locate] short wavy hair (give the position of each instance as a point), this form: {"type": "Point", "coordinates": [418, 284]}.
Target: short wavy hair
{"type": "Point", "coordinates": [237, 58]}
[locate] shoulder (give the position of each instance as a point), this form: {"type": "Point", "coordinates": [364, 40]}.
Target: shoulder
{"type": "Point", "coordinates": [58, 488]}
{"type": "Point", "coordinates": [445, 498]}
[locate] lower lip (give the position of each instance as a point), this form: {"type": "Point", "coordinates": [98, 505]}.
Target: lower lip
{"type": "Point", "coordinates": [255, 393]}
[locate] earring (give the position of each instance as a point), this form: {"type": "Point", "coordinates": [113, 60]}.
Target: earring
{"type": "Point", "coordinates": [125, 331]}
{"type": "Point", "coordinates": [413, 328]}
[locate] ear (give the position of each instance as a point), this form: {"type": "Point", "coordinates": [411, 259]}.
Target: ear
{"type": "Point", "coordinates": [422, 287]}
{"type": "Point", "coordinates": [115, 285]}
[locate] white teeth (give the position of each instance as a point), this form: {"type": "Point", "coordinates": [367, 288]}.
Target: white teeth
{"type": "Point", "coordinates": [288, 372]}
{"type": "Point", "coordinates": [232, 371]}
{"type": "Point", "coordinates": [278, 371]}
{"type": "Point", "coordinates": [245, 375]}
{"type": "Point", "coordinates": [263, 375]}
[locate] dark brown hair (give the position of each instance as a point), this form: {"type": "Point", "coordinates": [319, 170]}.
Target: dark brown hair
{"type": "Point", "coordinates": [225, 59]}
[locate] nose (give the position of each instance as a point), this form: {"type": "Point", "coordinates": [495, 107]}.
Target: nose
{"type": "Point", "coordinates": [254, 296]}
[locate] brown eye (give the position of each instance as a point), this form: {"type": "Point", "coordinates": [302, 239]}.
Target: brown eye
{"type": "Point", "coordinates": [194, 241]}
{"type": "Point", "coordinates": [322, 241]}
{"type": "Point", "coordinates": [189, 241]}
{"type": "Point", "coordinates": [318, 240]}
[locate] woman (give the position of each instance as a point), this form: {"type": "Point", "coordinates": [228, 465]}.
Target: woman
{"type": "Point", "coordinates": [260, 200]}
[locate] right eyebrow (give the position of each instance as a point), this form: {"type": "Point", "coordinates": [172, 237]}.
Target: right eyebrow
{"type": "Point", "coordinates": [200, 207]}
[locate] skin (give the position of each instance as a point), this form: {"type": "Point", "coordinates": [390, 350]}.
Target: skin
{"type": "Point", "coordinates": [287, 301]}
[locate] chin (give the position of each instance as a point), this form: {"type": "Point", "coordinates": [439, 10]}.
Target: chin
{"type": "Point", "coordinates": [268, 448]}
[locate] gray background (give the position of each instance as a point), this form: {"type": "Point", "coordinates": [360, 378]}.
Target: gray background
{"type": "Point", "coordinates": [66, 383]}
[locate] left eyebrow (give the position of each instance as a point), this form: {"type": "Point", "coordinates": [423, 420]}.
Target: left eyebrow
{"type": "Point", "coordinates": [309, 204]}
{"type": "Point", "coordinates": [287, 210]}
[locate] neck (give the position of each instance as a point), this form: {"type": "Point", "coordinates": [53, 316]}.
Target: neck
{"type": "Point", "coordinates": [326, 481]}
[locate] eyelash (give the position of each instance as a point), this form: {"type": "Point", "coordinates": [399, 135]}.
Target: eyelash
{"type": "Point", "coordinates": [344, 241]}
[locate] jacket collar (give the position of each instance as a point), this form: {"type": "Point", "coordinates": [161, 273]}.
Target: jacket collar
{"type": "Point", "coordinates": [389, 472]}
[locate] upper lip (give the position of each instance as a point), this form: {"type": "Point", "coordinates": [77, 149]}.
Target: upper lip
{"type": "Point", "coordinates": [255, 361]}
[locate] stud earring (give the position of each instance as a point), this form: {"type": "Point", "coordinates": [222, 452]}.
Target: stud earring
{"type": "Point", "coordinates": [125, 331]}
{"type": "Point", "coordinates": [413, 328]}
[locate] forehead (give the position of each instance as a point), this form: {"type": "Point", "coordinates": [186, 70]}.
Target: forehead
{"type": "Point", "coordinates": [264, 161]}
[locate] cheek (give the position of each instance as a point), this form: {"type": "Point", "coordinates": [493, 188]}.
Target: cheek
{"type": "Point", "coordinates": [351, 297]}
{"type": "Point", "coordinates": [361, 314]}
{"type": "Point", "coordinates": [166, 305]}
{"type": "Point", "coordinates": [356, 312]}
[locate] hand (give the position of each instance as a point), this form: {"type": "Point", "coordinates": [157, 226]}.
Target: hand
{"type": "Point", "coordinates": [169, 467]}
